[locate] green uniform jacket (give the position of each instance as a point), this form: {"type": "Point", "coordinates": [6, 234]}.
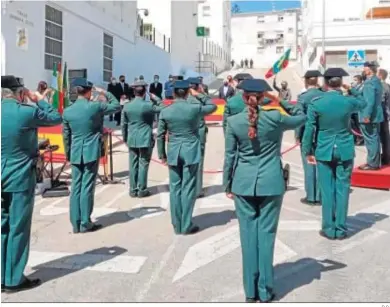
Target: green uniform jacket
{"type": "Point", "coordinates": [303, 101]}
{"type": "Point", "coordinates": [83, 128]}
{"type": "Point", "coordinates": [258, 170]}
{"type": "Point", "coordinates": [181, 121]}
{"type": "Point", "coordinates": [19, 141]}
{"type": "Point", "coordinates": [201, 99]}
{"type": "Point", "coordinates": [329, 118]}
{"type": "Point", "coordinates": [137, 122]}
{"type": "Point", "coordinates": [233, 106]}
{"type": "Point", "coordinates": [372, 93]}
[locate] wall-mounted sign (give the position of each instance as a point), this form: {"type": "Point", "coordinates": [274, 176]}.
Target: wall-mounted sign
{"type": "Point", "coordinates": [21, 17]}
{"type": "Point", "coordinates": [22, 38]}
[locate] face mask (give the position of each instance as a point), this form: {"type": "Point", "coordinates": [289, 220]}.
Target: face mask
{"type": "Point", "coordinates": [122, 80]}
{"type": "Point", "coordinates": [171, 79]}
{"type": "Point", "coordinates": [225, 84]}
{"type": "Point", "coordinates": [156, 80]}
{"type": "Point", "coordinates": [113, 82]}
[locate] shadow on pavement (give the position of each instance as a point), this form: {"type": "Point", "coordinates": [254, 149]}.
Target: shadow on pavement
{"type": "Point", "coordinates": [363, 221]}
{"type": "Point", "coordinates": [290, 275]}
{"type": "Point", "coordinates": [214, 219]}
{"type": "Point", "coordinates": [67, 265]}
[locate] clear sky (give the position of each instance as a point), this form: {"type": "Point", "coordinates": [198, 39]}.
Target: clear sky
{"type": "Point", "coordinates": [265, 6]}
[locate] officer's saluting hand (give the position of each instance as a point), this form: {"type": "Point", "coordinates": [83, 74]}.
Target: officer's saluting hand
{"type": "Point", "coordinates": [19, 150]}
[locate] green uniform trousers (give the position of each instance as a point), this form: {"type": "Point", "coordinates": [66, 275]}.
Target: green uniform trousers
{"type": "Point", "coordinates": [139, 160]}
{"type": "Point", "coordinates": [16, 216]}
{"type": "Point", "coordinates": [372, 141]}
{"type": "Point", "coordinates": [335, 182]}
{"type": "Point", "coordinates": [182, 194]}
{"type": "Point", "coordinates": [311, 181]}
{"type": "Point", "coordinates": [258, 218]}
{"type": "Point", "coordinates": [83, 195]}
{"type": "Point", "coordinates": [199, 179]}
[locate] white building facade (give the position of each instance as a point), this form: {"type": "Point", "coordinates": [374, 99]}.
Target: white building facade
{"type": "Point", "coordinates": [264, 37]}
{"type": "Point", "coordinates": [101, 38]}
{"type": "Point", "coordinates": [216, 16]}
{"type": "Point", "coordinates": [349, 25]}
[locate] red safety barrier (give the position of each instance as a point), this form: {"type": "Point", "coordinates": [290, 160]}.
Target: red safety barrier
{"type": "Point", "coordinates": [210, 171]}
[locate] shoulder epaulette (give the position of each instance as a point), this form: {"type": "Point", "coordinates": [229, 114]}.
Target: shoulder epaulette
{"type": "Point", "coordinates": [274, 108]}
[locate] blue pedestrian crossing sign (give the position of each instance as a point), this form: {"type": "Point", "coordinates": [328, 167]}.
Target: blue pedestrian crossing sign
{"type": "Point", "coordinates": [356, 57]}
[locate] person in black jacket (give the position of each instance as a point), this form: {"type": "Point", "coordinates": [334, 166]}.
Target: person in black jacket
{"type": "Point", "coordinates": [156, 88]}
{"type": "Point", "coordinates": [123, 89]}
{"type": "Point", "coordinates": [205, 87]}
{"type": "Point", "coordinates": [113, 88]}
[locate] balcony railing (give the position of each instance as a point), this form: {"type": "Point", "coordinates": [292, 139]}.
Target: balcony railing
{"type": "Point", "coordinates": [147, 31]}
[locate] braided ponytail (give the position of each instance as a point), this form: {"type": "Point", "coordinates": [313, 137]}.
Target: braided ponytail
{"type": "Point", "coordinates": [252, 103]}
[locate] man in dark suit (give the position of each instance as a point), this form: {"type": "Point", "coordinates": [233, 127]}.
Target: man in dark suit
{"type": "Point", "coordinates": [226, 91]}
{"type": "Point", "coordinates": [123, 89]}
{"type": "Point", "coordinates": [205, 87]}
{"type": "Point", "coordinates": [156, 88]}
{"type": "Point", "coordinates": [113, 88]}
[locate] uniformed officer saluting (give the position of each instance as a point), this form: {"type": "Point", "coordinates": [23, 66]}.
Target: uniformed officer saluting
{"type": "Point", "coordinates": [82, 133]}
{"type": "Point", "coordinates": [310, 171]}
{"type": "Point", "coordinates": [371, 116]}
{"type": "Point", "coordinates": [137, 131]}
{"type": "Point", "coordinates": [198, 96]}
{"type": "Point", "coordinates": [255, 181]}
{"type": "Point", "coordinates": [19, 150]}
{"type": "Point", "coordinates": [328, 117]}
{"type": "Point", "coordinates": [181, 121]}
{"type": "Point", "coordinates": [235, 104]}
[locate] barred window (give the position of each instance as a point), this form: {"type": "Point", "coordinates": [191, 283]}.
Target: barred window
{"type": "Point", "coordinates": [53, 37]}
{"type": "Point", "coordinates": [108, 55]}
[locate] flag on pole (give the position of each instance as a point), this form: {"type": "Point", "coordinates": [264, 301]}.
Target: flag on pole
{"type": "Point", "coordinates": [65, 89]}
{"type": "Point", "coordinates": [281, 64]}
{"type": "Point", "coordinates": [54, 87]}
{"type": "Point", "coordinates": [60, 92]}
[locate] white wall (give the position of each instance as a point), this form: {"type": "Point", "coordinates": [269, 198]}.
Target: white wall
{"type": "Point", "coordinates": [83, 27]}
{"type": "Point", "coordinates": [245, 41]}
{"type": "Point", "coordinates": [185, 45]}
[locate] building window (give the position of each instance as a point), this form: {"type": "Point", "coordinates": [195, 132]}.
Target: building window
{"type": "Point", "coordinates": [53, 37]}
{"type": "Point", "coordinates": [260, 49]}
{"type": "Point", "coordinates": [280, 18]}
{"type": "Point", "coordinates": [279, 49]}
{"type": "Point", "coordinates": [148, 31]}
{"type": "Point", "coordinates": [260, 19]}
{"type": "Point", "coordinates": [260, 34]}
{"type": "Point", "coordinates": [338, 19]}
{"type": "Point", "coordinates": [108, 55]}
{"type": "Point", "coordinates": [279, 36]}
{"type": "Point", "coordinates": [206, 11]}
{"type": "Point", "coordinates": [290, 30]}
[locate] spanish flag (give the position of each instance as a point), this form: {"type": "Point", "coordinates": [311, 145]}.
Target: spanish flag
{"type": "Point", "coordinates": [281, 64]}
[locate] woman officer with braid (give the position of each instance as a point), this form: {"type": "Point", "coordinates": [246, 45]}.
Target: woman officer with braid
{"type": "Point", "coordinates": [255, 182]}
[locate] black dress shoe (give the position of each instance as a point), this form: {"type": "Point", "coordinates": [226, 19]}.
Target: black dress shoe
{"type": "Point", "coordinates": [368, 168]}
{"type": "Point", "coordinates": [269, 300]}
{"type": "Point", "coordinates": [310, 203]}
{"type": "Point", "coordinates": [133, 194]}
{"type": "Point", "coordinates": [2, 288]}
{"type": "Point", "coordinates": [95, 227]}
{"type": "Point", "coordinates": [323, 234]}
{"type": "Point", "coordinates": [201, 195]}
{"type": "Point", "coordinates": [143, 194]}
{"type": "Point", "coordinates": [25, 285]}
{"type": "Point", "coordinates": [193, 230]}
{"type": "Point", "coordinates": [342, 237]}
{"type": "Point", "coordinates": [250, 300]}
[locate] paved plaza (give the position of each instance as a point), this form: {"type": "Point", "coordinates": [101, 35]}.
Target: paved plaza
{"type": "Point", "coordinates": [137, 257]}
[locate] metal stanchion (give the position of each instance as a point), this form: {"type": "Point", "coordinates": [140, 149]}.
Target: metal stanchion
{"type": "Point", "coordinates": [112, 180]}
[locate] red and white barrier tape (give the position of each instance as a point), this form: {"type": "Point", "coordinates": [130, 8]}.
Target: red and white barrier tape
{"type": "Point", "coordinates": [210, 171]}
